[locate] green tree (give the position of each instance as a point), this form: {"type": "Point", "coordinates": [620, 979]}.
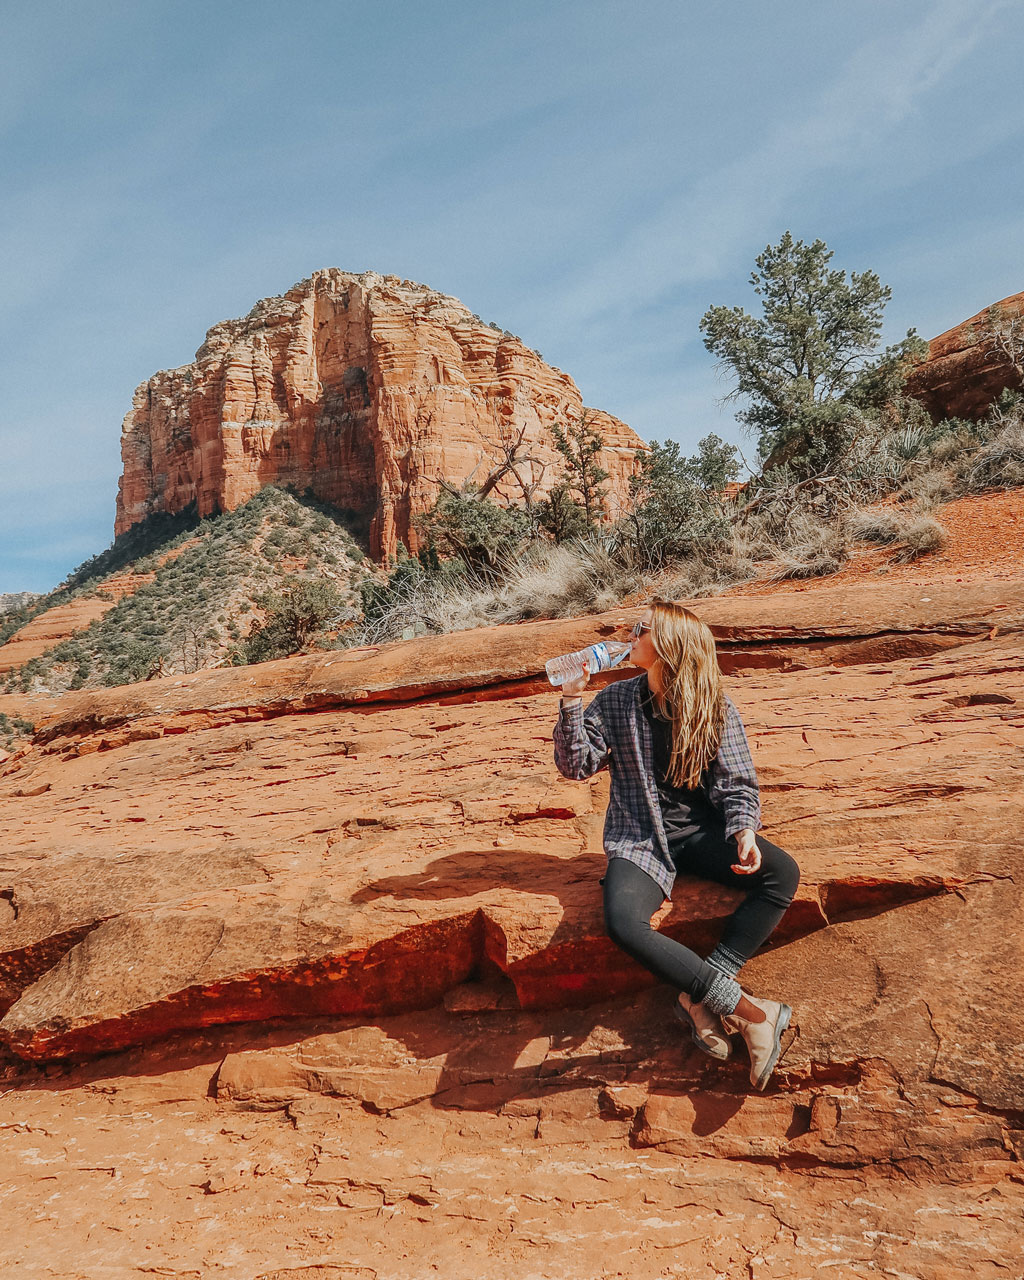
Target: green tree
{"type": "Point", "coordinates": [806, 366]}
{"type": "Point", "coordinates": [579, 442]}
{"type": "Point", "coordinates": [714, 464]}
{"type": "Point", "coordinates": [561, 516]}
{"type": "Point", "coordinates": [292, 617]}
{"type": "Point", "coordinates": [673, 512]}
{"type": "Point", "coordinates": [479, 532]}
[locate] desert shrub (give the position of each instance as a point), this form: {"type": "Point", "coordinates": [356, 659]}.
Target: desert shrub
{"type": "Point", "coordinates": [560, 516]}
{"type": "Point", "coordinates": [810, 549]}
{"type": "Point", "coordinates": [997, 464]}
{"type": "Point", "coordinates": [673, 513]}
{"type": "Point", "coordinates": [548, 580]}
{"type": "Point", "coordinates": [928, 489]}
{"type": "Point", "coordinates": [562, 581]}
{"type": "Point", "coordinates": [882, 527]}
{"type": "Point", "coordinates": [292, 617]}
{"type": "Point", "coordinates": [137, 661]}
{"type": "Point", "coordinates": [481, 533]}
{"type": "Point", "coordinates": [410, 593]}
{"type": "Point", "coordinates": [14, 619]}
{"type": "Point", "coordinates": [12, 727]}
{"type": "Point", "coordinates": [707, 574]}
{"type": "Point", "coordinates": [921, 536]}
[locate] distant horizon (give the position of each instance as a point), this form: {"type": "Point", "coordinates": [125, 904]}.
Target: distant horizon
{"type": "Point", "coordinates": [588, 178]}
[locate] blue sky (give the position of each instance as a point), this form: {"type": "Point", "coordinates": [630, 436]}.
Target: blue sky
{"type": "Point", "coordinates": [590, 174]}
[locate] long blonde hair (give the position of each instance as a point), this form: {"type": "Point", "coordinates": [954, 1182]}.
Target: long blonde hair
{"type": "Point", "coordinates": [692, 696]}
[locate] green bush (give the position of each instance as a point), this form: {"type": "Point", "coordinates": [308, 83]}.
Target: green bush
{"type": "Point", "coordinates": [672, 516]}
{"type": "Point", "coordinates": [561, 516]}
{"type": "Point", "coordinates": [479, 532]}
{"type": "Point", "coordinates": [292, 617]}
{"type": "Point", "coordinates": [137, 661]}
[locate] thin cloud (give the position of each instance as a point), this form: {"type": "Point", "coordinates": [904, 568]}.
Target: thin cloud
{"type": "Point", "coordinates": [694, 235]}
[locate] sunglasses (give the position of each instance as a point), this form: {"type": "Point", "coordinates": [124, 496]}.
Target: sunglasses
{"type": "Point", "coordinates": [639, 628]}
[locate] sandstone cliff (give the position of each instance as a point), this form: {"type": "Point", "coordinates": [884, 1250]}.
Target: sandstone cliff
{"type": "Point", "coordinates": [366, 389]}
{"type": "Point", "coordinates": [962, 375]}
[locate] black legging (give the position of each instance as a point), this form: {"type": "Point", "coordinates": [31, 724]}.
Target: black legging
{"type": "Point", "coordinates": [631, 897]}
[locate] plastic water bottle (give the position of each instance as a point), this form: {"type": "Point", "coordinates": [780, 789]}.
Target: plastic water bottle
{"type": "Point", "coordinates": [598, 657]}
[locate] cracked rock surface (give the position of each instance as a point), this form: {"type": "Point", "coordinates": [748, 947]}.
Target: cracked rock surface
{"type": "Point", "coordinates": [335, 970]}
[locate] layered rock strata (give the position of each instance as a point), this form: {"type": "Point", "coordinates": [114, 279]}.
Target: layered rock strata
{"type": "Point", "coordinates": [460, 1072]}
{"type": "Point", "coordinates": [833, 626]}
{"type": "Point", "coordinates": [364, 388]}
{"type": "Point", "coordinates": [371, 856]}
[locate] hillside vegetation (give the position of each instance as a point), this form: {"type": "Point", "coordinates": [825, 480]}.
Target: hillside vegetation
{"type": "Point", "coordinates": [208, 591]}
{"type": "Point", "coordinates": [844, 459]}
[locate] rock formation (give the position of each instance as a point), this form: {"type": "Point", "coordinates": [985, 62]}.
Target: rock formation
{"type": "Point", "coordinates": [365, 388]}
{"type": "Point", "coordinates": [16, 600]}
{"type": "Point", "coordinates": [963, 375]}
{"type": "Point", "coordinates": [335, 922]}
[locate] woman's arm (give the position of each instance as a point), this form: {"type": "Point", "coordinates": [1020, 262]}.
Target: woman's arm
{"type": "Point", "coordinates": [581, 745]}
{"type": "Point", "coordinates": [733, 786]}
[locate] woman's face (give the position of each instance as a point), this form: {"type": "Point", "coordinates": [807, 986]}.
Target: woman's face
{"type": "Point", "coordinates": [644, 654]}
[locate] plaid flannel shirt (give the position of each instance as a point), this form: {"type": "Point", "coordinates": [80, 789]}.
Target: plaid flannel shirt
{"type": "Point", "coordinates": [613, 733]}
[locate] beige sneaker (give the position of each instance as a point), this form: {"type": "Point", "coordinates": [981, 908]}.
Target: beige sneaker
{"type": "Point", "coordinates": [705, 1028]}
{"type": "Point", "coordinates": [763, 1039]}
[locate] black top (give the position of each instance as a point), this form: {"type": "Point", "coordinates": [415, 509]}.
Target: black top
{"type": "Point", "coordinates": [684, 810]}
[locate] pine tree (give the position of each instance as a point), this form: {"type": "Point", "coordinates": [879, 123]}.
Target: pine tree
{"type": "Point", "coordinates": [805, 365]}
{"type": "Point", "coordinates": [579, 442]}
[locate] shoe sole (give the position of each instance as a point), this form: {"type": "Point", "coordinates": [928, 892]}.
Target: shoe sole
{"type": "Point", "coordinates": [780, 1027]}
{"type": "Point", "coordinates": [687, 1021]}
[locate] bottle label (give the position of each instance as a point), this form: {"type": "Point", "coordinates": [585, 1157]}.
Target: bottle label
{"type": "Point", "coordinates": [600, 652]}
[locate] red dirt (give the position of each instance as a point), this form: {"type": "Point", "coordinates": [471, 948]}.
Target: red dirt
{"type": "Point", "coordinates": [986, 540]}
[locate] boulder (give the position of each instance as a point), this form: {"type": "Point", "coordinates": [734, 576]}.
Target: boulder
{"type": "Point", "coordinates": [962, 375]}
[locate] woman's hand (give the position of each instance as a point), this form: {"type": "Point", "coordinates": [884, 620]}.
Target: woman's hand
{"type": "Point", "coordinates": [749, 855]}
{"type": "Point", "coordinates": [575, 688]}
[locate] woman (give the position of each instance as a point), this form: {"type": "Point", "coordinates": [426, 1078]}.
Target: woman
{"type": "Point", "coordinates": [684, 798]}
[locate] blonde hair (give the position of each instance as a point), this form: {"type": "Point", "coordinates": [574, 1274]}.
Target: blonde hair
{"type": "Point", "coordinates": [693, 698]}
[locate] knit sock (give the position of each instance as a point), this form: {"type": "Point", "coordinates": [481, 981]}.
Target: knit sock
{"type": "Point", "coordinates": [723, 994]}
{"type": "Point", "coordinates": [725, 961]}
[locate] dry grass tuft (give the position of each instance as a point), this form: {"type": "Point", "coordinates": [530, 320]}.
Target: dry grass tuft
{"type": "Point", "coordinates": [998, 464]}
{"type": "Point", "coordinates": [882, 527]}
{"type": "Point", "coordinates": [921, 536]}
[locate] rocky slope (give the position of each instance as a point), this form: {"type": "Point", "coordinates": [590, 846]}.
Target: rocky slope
{"type": "Point", "coordinates": [64, 620]}
{"type": "Point", "coordinates": [186, 603]}
{"type": "Point", "coordinates": [962, 375]}
{"type": "Point", "coordinates": [374, 851]}
{"type": "Point", "coordinates": [365, 388]}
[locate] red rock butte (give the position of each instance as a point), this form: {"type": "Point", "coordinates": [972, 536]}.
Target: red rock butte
{"type": "Point", "coordinates": [366, 389]}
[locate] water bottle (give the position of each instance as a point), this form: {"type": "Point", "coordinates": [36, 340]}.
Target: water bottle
{"type": "Point", "coordinates": [598, 657]}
